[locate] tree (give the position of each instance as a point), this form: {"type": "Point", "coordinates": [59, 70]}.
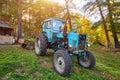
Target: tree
{"type": "Point", "coordinates": [110, 20]}
{"type": "Point", "coordinates": [112, 25]}
{"type": "Point", "coordinates": [31, 14]}
{"type": "Point", "coordinates": [34, 13]}
{"type": "Point", "coordinates": [19, 20]}
{"type": "Point", "coordinates": [104, 24]}
{"type": "Point", "coordinates": [96, 5]}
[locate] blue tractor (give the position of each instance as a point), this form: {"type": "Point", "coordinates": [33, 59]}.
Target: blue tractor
{"type": "Point", "coordinates": [66, 45]}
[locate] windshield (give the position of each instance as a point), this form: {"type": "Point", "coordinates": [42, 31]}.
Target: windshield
{"type": "Point", "coordinates": [57, 24]}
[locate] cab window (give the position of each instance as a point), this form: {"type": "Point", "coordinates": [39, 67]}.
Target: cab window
{"type": "Point", "coordinates": [47, 24]}
{"type": "Point", "coordinates": [57, 25]}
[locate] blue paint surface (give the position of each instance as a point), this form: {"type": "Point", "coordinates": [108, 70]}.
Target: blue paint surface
{"type": "Point", "coordinates": [73, 39]}
{"type": "Point", "coordinates": [54, 31]}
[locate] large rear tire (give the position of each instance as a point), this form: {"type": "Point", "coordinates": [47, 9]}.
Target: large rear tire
{"type": "Point", "coordinates": [62, 62]}
{"type": "Point", "coordinates": [87, 60]}
{"type": "Point", "coordinates": [41, 44]}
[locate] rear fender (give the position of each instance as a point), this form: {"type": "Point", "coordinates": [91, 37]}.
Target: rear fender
{"type": "Point", "coordinates": [48, 34]}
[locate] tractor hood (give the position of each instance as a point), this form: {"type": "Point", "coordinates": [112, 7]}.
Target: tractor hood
{"type": "Point", "coordinates": [76, 41]}
{"type": "Point", "coordinates": [73, 40]}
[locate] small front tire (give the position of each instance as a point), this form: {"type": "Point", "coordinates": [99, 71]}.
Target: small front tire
{"type": "Point", "coordinates": [62, 62]}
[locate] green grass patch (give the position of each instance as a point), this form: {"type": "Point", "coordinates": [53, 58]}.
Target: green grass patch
{"type": "Point", "coordinates": [107, 62]}
{"type": "Point", "coordinates": [17, 63]}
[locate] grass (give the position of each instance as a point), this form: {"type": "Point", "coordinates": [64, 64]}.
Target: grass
{"type": "Point", "coordinates": [17, 63]}
{"type": "Point", "coordinates": [107, 62]}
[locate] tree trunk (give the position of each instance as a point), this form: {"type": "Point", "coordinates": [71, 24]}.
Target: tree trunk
{"type": "Point", "coordinates": [104, 24]}
{"type": "Point", "coordinates": [19, 20]}
{"type": "Point", "coordinates": [116, 42]}
{"type": "Point", "coordinates": [0, 10]}
{"type": "Point", "coordinates": [68, 13]}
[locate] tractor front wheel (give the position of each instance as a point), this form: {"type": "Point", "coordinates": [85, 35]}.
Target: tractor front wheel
{"type": "Point", "coordinates": [86, 60]}
{"type": "Point", "coordinates": [41, 44]}
{"type": "Point", "coordinates": [62, 62]}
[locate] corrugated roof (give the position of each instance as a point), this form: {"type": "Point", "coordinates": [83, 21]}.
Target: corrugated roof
{"type": "Point", "coordinates": [4, 25]}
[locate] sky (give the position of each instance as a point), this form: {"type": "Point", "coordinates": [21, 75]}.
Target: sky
{"type": "Point", "coordinates": [78, 9]}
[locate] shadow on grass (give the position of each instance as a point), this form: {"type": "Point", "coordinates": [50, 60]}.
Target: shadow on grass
{"type": "Point", "coordinates": [7, 68]}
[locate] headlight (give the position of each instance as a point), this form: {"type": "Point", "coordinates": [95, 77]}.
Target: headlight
{"type": "Point", "coordinates": [70, 45]}
{"type": "Point", "coordinates": [70, 48]}
{"type": "Point", "coordinates": [88, 45]}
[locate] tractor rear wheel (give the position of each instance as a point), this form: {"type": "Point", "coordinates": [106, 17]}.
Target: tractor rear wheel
{"type": "Point", "coordinates": [87, 60]}
{"type": "Point", "coordinates": [62, 62]}
{"type": "Point", "coordinates": [41, 44]}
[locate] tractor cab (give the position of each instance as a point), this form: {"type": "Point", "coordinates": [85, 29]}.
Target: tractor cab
{"type": "Point", "coordinates": [54, 25]}
{"type": "Point", "coordinates": [53, 28]}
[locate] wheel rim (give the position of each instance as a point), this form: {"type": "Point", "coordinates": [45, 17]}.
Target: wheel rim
{"type": "Point", "coordinates": [59, 64]}
{"type": "Point", "coordinates": [37, 46]}
{"type": "Point", "coordinates": [85, 60]}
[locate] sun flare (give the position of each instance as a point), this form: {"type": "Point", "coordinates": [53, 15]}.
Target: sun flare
{"type": "Point", "coordinates": [59, 1]}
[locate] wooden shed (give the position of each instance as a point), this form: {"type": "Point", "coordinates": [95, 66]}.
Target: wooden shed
{"type": "Point", "coordinates": [6, 34]}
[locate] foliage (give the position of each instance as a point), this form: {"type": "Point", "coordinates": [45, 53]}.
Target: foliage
{"type": "Point", "coordinates": [112, 18]}
{"type": "Point", "coordinates": [35, 11]}
{"type": "Point", "coordinates": [33, 14]}
{"type": "Point", "coordinates": [83, 26]}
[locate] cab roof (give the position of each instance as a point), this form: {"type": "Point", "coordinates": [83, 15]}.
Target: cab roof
{"type": "Point", "coordinates": [54, 19]}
